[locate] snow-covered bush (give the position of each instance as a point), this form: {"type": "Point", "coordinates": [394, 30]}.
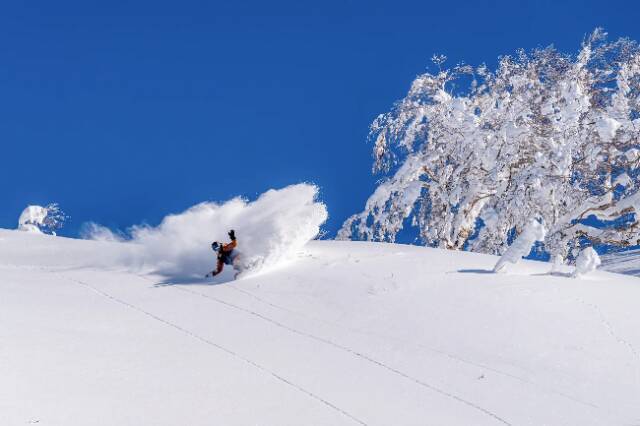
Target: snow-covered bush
{"type": "Point", "coordinates": [42, 220]}
{"type": "Point", "coordinates": [32, 218]}
{"type": "Point", "coordinates": [546, 133]}
{"type": "Point", "coordinates": [587, 261]}
{"type": "Point", "coordinates": [534, 231]}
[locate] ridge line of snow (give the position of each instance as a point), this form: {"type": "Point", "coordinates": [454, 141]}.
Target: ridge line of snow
{"type": "Point", "coordinates": [353, 352]}
{"type": "Point", "coordinates": [215, 345]}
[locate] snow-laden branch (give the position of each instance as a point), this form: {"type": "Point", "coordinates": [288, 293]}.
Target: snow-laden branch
{"type": "Point", "coordinates": [546, 134]}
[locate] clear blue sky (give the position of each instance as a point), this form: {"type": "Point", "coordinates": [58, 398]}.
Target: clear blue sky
{"type": "Point", "coordinates": [127, 111]}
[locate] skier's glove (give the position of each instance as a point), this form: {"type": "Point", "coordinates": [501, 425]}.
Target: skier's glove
{"type": "Point", "coordinates": [232, 235]}
{"type": "Point", "coordinates": [214, 246]}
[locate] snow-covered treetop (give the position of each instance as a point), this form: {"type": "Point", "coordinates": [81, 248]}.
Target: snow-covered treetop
{"type": "Point", "coordinates": [42, 220]}
{"type": "Point", "coordinates": [547, 135]}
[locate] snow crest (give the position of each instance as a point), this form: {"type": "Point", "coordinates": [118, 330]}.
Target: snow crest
{"type": "Point", "coordinates": [270, 231]}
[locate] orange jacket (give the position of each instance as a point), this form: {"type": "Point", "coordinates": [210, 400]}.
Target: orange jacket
{"type": "Point", "coordinates": [230, 246]}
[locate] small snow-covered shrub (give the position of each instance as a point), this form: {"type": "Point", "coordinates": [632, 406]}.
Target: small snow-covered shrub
{"type": "Point", "coordinates": [534, 231]}
{"type": "Point", "coordinates": [587, 261]}
{"type": "Point", "coordinates": [42, 220]}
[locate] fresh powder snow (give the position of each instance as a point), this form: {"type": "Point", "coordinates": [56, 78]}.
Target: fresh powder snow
{"type": "Point", "coordinates": [270, 230]}
{"type": "Point", "coordinates": [348, 333]}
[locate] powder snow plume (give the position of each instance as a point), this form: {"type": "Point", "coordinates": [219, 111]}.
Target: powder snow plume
{"type": "Point", "coordinates": [270, 231]}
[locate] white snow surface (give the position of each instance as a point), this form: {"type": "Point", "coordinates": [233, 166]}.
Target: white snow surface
{"type": "Point", "coordinates": [349, 333]}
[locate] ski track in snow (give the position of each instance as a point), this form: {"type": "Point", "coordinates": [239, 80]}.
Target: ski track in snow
{"type": "Point", "coordinates": [349, 350]}
{"type": "Point", "coordinates": [419, 345]}
{"type": "Point", "coordinates": [215, 345]}
{"type": "Point", "coordinates": [592, 306]}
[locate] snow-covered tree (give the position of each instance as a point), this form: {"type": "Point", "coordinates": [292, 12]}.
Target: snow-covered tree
{"type": "Point", "coordinates": [547, 135]}
{"type": "Point", "coordinates": [40, 219]}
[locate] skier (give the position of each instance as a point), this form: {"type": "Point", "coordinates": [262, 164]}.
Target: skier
{"type": "Point", "coordinates": [226, 253]}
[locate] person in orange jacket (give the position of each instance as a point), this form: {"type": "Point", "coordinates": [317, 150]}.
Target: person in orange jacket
{"type": "Point", "coordinates": [226, 253]}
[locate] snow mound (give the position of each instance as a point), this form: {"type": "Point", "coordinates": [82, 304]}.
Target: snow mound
{"type": "Point", "coordinates": [270, 230]}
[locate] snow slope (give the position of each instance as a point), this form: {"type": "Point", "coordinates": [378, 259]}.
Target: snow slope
{"type": "Point", "coordinates": [351, 333]}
